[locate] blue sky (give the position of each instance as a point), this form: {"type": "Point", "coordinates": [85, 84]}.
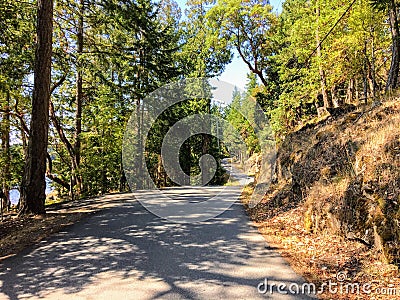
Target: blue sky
{"type": "Point", "coordinates": [236, 72]}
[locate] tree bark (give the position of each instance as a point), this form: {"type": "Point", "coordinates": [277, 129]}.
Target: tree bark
{"type": "Point", "coordinates": [372, 66]}
{"type": "Point", "coordinates": [365, 75]}
{"type": "Point", "coordinates": [205, 168]}
{"type": "Point", "coordinates": [254, 68]}
{"type": "Point", "coordinates": [327, 100]}
{"type": "Point", "coordinates": [334, 97]}
{"type": "Point", "coordinates": [185, 158]}
{"type": "Point", "coordinates": [79, 102]}
{"type": "Point", "coordinates": [51, 176]}
{"type": "Point", "coordinates": [394, 65]}
{"type": "Point", "coordinates": [7, 154]}
{"type": "Point", "coordinates": [140, 158]}
{"type": "Point", "coordinates": [206, 142]}
{"type": "Point", "coordinates": [33, 184]}
{"type": "Point", "coordinates": [350, 92]}
{"type": "Point", "coordinates": [122, 179]}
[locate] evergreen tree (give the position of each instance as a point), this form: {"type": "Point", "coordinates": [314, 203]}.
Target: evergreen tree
{"type": "Point", "coordinates": [33, 184]}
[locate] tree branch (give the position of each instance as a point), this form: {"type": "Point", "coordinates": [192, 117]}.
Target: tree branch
{"type": "Point", "coordinates": [53, 177]}
{"type": "Point", "coordinates": [58, 83]}
{"type": "Point", "coordinates": [252, 69]}
{"type": "Point", "coordinates": [60, 130]}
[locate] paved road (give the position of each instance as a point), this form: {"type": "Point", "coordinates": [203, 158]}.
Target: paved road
{"type": "Point", "coordinates": [125, 252]}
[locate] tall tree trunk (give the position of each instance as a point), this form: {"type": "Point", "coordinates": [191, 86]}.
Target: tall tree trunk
{"type": "Point", "coordinates": [356, 91]}
{"type": "Point", "coordinates": [206, 142]}
{"type": "Point", "coordinates": [79, 101]}
{"type": "Point", "coordinates": [350, 92]}
{"type": "Point", "coordinates": [33, 184]}
{"type": "Point", "coordinates": [24, 139]}
{"type": "Point", "coordinates": [205, 166]}
{"type": "Point", "coordinates": [7, 156]}
{"type": "Point", "coordinates": [324, 92]}
{"type": "Point", "coordinates": [372, 65]}
{"type": "Point", "coordinates": [122, 179]}
{"type": "Point", "coordinates": [371, 83]}
{"type": "Point", "coordinates": [335, 98]}
{"type": "Point", "coordinates": [394, 66]}
{"type": "Point", "coordinates": [365, 75]}
{"type": "Point", "coordinates": [140, 158]}
{"type": "Point", "coordinates": [185, 159]}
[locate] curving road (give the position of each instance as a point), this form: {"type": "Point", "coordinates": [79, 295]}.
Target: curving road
{"type": "Point", "coordinates": [125, 252]}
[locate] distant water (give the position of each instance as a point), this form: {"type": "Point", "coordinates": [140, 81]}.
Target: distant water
{"type": "Point", "coordinates": [14, 193]}
{"type": "Point", "coordinates": [14, 196]}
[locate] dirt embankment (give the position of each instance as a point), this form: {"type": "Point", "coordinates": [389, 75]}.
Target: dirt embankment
{"type": "Point", "coordinates": [18, 233]}
{"type": "Point", "coordinates": [335, 199]}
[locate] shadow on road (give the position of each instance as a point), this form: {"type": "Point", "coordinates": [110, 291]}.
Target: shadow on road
{"type": "Point", "coordinates": [128, 253]}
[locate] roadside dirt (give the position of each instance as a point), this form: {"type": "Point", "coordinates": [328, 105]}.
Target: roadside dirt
{"type": "Point", "coordinates": [325, 259]}
{"type": "Point", "coordinates": [18, 233]}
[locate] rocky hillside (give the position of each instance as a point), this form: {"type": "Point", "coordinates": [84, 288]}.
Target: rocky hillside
{"type": "Point", "coordinates": [344, 172]}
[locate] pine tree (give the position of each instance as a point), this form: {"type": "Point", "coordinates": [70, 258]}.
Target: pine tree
{"type": "Point", "coordinates": [391, 7]}
{"type": "Point", "coordinates": [33, 184]}
{"type": "Point", "coordinates": [247, 26]}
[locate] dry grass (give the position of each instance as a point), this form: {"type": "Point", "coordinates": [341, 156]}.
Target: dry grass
{"type": "Point", "coordinates": [336, 180]}
{"type": "Point", "coordinates": [18, 233]}
{"type": "Point", "coordinates": [319, 258]}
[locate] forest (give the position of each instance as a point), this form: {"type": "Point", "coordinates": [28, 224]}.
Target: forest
{"type": "Point", "coordinates": [73, 71]}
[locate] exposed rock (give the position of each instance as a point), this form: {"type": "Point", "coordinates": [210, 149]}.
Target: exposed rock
{"type": "Point", "coordinates": [346, 174]}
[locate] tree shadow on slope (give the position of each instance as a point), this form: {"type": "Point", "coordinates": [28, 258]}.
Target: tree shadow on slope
{"type": "Point", "coordinates": [306, 157]}
{"type": "Point", "coordinates": [131, 243]}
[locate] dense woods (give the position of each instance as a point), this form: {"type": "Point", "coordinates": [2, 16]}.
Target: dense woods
{"type": "Point", "coordinates": [108, 55]}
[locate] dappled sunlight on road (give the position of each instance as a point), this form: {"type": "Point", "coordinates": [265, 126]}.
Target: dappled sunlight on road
{"type": "Point", "coordinates": [126, 252]}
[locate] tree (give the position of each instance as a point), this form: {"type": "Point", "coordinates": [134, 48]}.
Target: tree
{"type": "Point", "coordinates": [205, 53]}
{"type": "Point", "coordinates": [344, 62]}
{"type": "Point", "coordinates": [6, 151]}
{"type": "Point", "coordinates": [247, 25]}
{"type": "Point", "coordinates": [325, 96]}
{"type": "Point", "coordinates": [79, 97]}
{"type": "Point", "coordinates": [33, 185]}
{"type": "Point", "coordinates": [206, 56]}
{"type": "Point", "coordinates": [241, 114]}
{"type": "Point", "coordinates": [16, 63]}
{"type": "Point", "coordinates": [130, 48]}
{"type": "Point", "coordinates": [391, 7]}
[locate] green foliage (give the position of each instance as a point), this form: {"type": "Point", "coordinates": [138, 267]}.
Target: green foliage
{"type": "Point", "coordinates": [352, 58]}
{"type": "Point", "coordinates": [240, 114]}
{"type": "Point", "coordinates": [247, 26]}
{"type": "Point", "coordinates": [16, 165]}
{"type": "Point", "coordinates": [380, 5]}
{"type": "Point", "coordinates": [17, 24]}
{"type": "Point", "coordinates": [204, 53]}
{"type": "Point", "coordinates": [131, 48]}
{"type": "Point", "coordinates": [349, 66]}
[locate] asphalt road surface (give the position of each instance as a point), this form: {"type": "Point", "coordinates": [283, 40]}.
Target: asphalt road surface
{"type": "Point", "coordinates": [126, 252]}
